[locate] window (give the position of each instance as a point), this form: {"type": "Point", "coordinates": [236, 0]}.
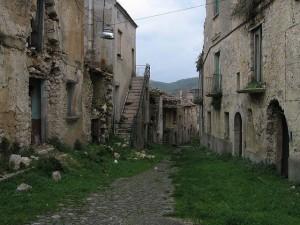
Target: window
{"type": "Point", "coordinates": [217, 63]}
{"type": "Point", "coordinates": [238, 81]}
{"type": "Point", "coordinates": [257, 41]}
{"type": "Point", "coordinates": [227, 131]}
{"type": "Point", "coordinates": [70, 98]}
{"type": "Point", "coordinates": [120, 34]}
{"type": "Point", "coordinates": [174, 118]}
{"type": "Point", "coordinates": [133, 61]}
{"type": "Point", "coordinates": [217, 73]}
{"type": "Point", "coordinates": [37, 25]}
{"type": "Point", "coordinates": [217, 7]}
{"type": "Point", "coordinates": [209, 122]}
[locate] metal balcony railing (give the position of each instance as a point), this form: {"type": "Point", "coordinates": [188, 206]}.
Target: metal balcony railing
{"type": "Point", "coordinates": [213, 85]}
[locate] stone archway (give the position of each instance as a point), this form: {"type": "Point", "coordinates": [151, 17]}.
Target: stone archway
{"type": "Point", "coordinates": [238, 135]}
{"type": "Point", "coordinates": [278, 138]}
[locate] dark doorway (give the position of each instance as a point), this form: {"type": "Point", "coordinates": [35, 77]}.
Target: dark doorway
{"type": "Point", "coordinates": [282, 159]}
{"type": "Point", "coordinates": [35, 93]}
{"type": "Point", "coordinates": [278, 136]}
{"type": "Point", "coordinates": [95, 131]}
{"type": "Point", "coordinates": [238, 135]}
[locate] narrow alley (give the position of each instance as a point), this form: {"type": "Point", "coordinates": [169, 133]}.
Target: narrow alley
{"type": "Point", "coordinates": [142, 199]}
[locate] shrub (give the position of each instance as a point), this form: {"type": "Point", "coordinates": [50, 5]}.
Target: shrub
{"type": "Point", "coordinates": [48, 165]}
{"type": "Point", "coordinates": [78, 145]}
{"type": "Point", "coordinates": [248, 9]}
{"type": "Point", "coordinates": [5, 147]}
{"type": "Point", "coordinates": [59, 145]}
{"type": "Point", "coordinates": [27, 151]}
{"type": "Point", "coordinates": [15, 148]}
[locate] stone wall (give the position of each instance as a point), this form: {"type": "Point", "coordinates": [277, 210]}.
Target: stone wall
{"type": "Point", "coordinates": [232, 37]}
{"type": "Point", "coordinates": [172, 120]}
{"type": "Point", "coordinates": [104, 54]}
{"type": "Point", "coordinates": [57, 63]}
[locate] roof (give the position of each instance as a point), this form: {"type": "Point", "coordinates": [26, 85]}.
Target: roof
{"type": "Point", "coordinates": [126, 14]}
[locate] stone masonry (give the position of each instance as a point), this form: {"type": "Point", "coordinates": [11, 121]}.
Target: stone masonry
{"type": "Point", "coordinates": [251, 83]}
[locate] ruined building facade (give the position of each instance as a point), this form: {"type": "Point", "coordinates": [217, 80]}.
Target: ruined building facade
{"type": "Point", "coordinates": [41, 70]}
{"type": "Point", "coordinates": [250, 71]}
{"type": "Point", "coordinates": [59, 76]}
{"type": "Point", "coordinates": [173, 120]}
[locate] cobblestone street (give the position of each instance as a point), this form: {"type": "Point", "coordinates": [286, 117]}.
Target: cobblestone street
{"type": "Point", "coordinates": [141, 200]}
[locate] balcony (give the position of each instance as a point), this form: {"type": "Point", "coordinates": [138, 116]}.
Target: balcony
{"type": "Point", "coordinates": [254, 88]}
{"type": "Point", "coordinates": [213, 85]}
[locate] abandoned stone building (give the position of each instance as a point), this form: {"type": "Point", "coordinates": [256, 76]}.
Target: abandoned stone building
{"type": "Point", "coordinates": [250, 80]}
{"type": "Point", "coordinates": [66, 68]}
{"type": "Point", "coordinates": [173, 120]}
{"type": "Point", "coordinates": [41, 70]}
{"type": "Point", "coordinates": [120, 93]}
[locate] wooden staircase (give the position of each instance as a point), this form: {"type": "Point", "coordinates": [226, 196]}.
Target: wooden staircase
{"type": "Point", "coordinates": [131, 106]}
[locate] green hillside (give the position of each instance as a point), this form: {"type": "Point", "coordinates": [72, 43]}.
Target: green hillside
{"type": "Point", "coordinates": [174, 87]}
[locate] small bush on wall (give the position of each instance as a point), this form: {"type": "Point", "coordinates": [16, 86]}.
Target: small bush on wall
{"type": "Point", "coordinates": [248, 9]}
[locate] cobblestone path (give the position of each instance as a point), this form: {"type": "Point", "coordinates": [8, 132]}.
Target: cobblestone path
{"type": "Point", "coordinates": [141, 200]}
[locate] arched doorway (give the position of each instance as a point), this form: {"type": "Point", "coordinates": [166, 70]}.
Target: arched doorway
{"type": "Point", "coordinates": [278, 136]}
{"type": "Point", "coordinates": [238, 135]}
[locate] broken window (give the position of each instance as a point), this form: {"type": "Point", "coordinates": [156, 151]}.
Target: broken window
{"type": "Point", "coordinates": [70, 98]}
{"type": "Point", "coordinates": [257, 41]}
{"type": "Point", "coordinates": [37, 25]}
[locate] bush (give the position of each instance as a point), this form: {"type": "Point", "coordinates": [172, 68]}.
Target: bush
{"type": "Point", "coordinates": [48, 165]}
{"type": "Point", "coordinates": [78, 145]}
{"type": "Point", "coordinates": [27, 152]}
{"type": "Point", "coordinates": [59, 145]}
{"type": "Point", "coordinates": [15, 148]}
{"type": "Point", "coordinates": [5, 147]}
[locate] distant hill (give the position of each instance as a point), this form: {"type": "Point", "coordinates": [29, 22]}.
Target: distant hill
{"type": "Point", "coordinates": [174, 87]}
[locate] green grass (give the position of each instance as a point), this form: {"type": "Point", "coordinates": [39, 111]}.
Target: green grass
{"type": "Point", "coordinates": [221, 190]}
{"type": "Point", "coordinates": [91, 173]}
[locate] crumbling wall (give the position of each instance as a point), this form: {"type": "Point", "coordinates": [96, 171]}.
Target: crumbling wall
{"type": "Point", "coordinates": [58, 62]}
{"type": "Point", "coordinates": [14, 77]}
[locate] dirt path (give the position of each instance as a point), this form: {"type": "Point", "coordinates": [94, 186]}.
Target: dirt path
{"type": "Point", "coordinates": [144, 199]}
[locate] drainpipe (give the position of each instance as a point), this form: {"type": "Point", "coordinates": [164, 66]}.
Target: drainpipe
{"type": "Point", "coordinates": [91, 25]}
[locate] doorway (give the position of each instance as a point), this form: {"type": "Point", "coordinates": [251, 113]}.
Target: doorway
{"type": "Point", "coordinates": [35, 93]}
{"type": "Point", "coordinates": [238, 135]}
{"type": "Point", "coordinates": [278, 136]}
{"type": "Point", "coordinates": [282, 147]}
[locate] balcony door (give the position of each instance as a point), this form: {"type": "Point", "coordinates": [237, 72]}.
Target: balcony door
{"type": "Point", "coordinates": [217, 73]}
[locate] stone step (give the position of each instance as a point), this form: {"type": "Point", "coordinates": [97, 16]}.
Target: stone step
{"type": "Point", "coordinates": [135, 91]}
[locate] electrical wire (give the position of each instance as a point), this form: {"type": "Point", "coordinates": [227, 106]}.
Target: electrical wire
{"type": "Point", "coordinates": [163, 14]}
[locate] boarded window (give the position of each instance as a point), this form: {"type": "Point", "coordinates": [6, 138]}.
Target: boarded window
{"type": "Point", "coordinates": [70, 98]}
{"type": "Point", "coordinates": [257, 40]}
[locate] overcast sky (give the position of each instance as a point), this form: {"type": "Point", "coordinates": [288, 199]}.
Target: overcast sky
{"type": "Point", "coordinates": [171, 43]}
